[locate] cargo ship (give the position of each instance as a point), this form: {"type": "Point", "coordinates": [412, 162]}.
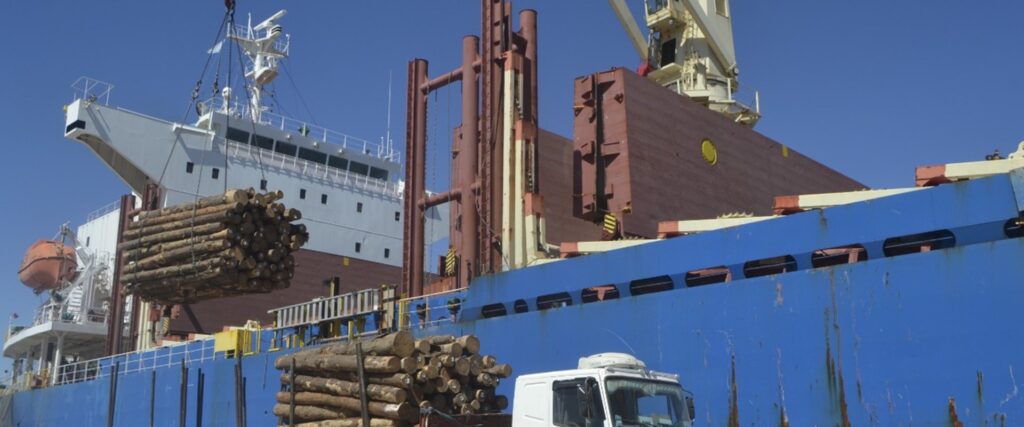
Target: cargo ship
{"type": "Point", "coordinates": [780, 291]}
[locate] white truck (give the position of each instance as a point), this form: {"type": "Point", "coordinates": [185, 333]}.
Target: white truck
{"type": "Point", "coordinates": [607, 390]}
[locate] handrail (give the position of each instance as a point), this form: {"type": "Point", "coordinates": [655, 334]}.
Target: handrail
{"type": "Point", "coordinates": [313, 169]}
{"type": "Point", "coordinates": [92, 90]}
{"type": "Point", "coordinates": [318, 133]}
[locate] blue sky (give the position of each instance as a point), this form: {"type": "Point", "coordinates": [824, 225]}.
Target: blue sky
{"type": "Point", "coordinates": [871, 88]}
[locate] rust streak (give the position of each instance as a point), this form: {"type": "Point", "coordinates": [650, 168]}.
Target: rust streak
{"type": "Point", "coordinates": [734, 410]}
{"type": "Point", "coordinates": [954, 419]}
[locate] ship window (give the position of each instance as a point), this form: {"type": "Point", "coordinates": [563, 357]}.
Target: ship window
{"type": "Point", "coordinates": [285, 148]}
{"type": "Point", "coordinates": [768, 266]}
{"type": "Point", "coordinates": [359, 207]}
{"type": "Point", "coordinates": [1014, 228]}
{"type": "Point", "coordinates": [493, 310]}
{"type": "Point", "coordinates": [312, 155]}
{"type": "Point", "coordinates": [707, 276]}
{"type": "Point", "coordinates": [337, 162]}
{"type": "Point", "coordinates": [561, 299]}
{"type": "Point", "coordinates": [387, 253]}
{"type": "Point", "coordinates": [359, 247]}
{"type": "Point", "coordinates": [914, 243]}
{"type": "Point", "coordinates": [263, 142]}
{"type": "Point", "coordinates": [520, 306]}
{"type": "Point", "coordinates": [302, 193]}
{"type": "Point", "coordinates": [359, 168]}
{"type": "Point", "coordinates": [215, 173]}
{"type": "Point", "coordinates": [722, 7]}
{"type": "Point", "coordinates": [323, 199]}
{"type": "Point", "coordinates": [599, 293]}
{"type": "Point", "coordinates": [668, 52]}
{"type": "Point", "coordinates": [189, 166]}
{"type": "Point", "coordinates": [87, 240]}
{"type": "Point", "coordinates": [650, 285]}
{"type": "Point", "coordinates": [378, 173]}
{"type": "Point", "coordinates": [238, 135]}
{"type": "Point", "coordinates": [838, 256]}
{"type": "Point", "coordinates": [398, 215]}
{"type": "Point", "coordinates": [263, 184]}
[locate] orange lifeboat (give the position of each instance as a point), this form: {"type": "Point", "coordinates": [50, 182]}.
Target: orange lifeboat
{"type": "Point", "coordinates": [47, 264]}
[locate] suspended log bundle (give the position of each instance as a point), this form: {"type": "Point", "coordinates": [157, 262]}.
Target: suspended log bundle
{"type": "Point", "coordinates": [235, 243]}
{"type": "Point", "coordinates": [403, 376]}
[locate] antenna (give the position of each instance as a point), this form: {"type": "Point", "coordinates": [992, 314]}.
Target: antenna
{"type": "Point", "coordinates": [388, 146]}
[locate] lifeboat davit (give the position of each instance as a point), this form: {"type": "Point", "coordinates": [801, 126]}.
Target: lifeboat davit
{"type": "Point", "coordinates": [47, 264]}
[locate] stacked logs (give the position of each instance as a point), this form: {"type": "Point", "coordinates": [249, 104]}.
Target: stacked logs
{"type": "Point", "coordinates": [235, 243]}
{"type": "Point", "coordinates": [403, 376]}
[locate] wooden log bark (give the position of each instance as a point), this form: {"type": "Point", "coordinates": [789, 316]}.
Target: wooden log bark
{"type": "Point", "coordinates": [400, 344]}
{"type": "Point", "coordinates": [469, 343]}
{"type": "Point", "coordinates": [172, 235]}
{"type": "Point", "coordinates": [440, 339]}
{"type": "Point", "coordinates": [225, 216]}
{"type": "Point", "coordinates": [422, 346]}
{"type": "Point", "coordinates": [177, 270]}
{"type": "Point", "coordinates": [198, 250]}
{"type": "Point", "coordinates": [409, 365]}
{"type": "Point", "coordinates": [476, 364]}
{"type": "Point", "coordinates": [309, 412]}
{"type": "Point", "coordinates": [462, 366]}
{"type": "Point", "coordinates": [501, 402]}
{"type": "Point", "coordinates": [334, 363]}
{"type": "Point", "coordinates": [349, 422]}
{"type": "Point", "coordinates": [231, 196]}
{"type": "Point", "coordinates": [395, 411]}
{"type": "Point", "coordinates": [148, 251]}
{"type": "Point", "coordinates": [500, 370]}
{"type": "Point", "coordinates": [157, 220]}
{"type": "Point", "coordinates": [489, 361]}
{"type": "Point", "coordinates": [337, 387]}
{"type": "Point", "coordinates": [454, 349]}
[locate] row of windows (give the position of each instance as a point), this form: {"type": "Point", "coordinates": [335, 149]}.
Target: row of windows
{"type": "Point", "coordinates": [896, 246]}
{"type": "Point", "coordinates": [214, 172]}
{"type": "Point", "coordinates": [314, 156]}
{"type": "Point", "coordinates": [359, 249]}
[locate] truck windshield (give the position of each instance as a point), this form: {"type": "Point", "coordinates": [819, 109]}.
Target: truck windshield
{"type": "Point", "coordinates": [637, 402]}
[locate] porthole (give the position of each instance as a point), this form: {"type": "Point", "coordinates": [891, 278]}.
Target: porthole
{"type": "Point", "coordinates": [708, 151]}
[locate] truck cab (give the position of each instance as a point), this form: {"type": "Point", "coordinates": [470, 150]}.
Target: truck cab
{"type": "Point", "coordinates": [606, 390]}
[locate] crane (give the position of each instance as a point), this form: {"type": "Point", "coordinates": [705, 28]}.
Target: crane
{"type": "Point", "coordinates": [689, 49]}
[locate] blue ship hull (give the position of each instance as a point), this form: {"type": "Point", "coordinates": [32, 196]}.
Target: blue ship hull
{"type": "Point", "coordinates": [928, 338]}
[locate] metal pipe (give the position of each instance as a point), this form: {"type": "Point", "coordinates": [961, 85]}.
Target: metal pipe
{"type": "Point", "coordinates": [447, 78]}
{"type": "Point", "coordinates": [440, 198]}
{"type": "Point", "coordinates": [415, 167]}
{"type": "Point", "coordinates": [183, 396]}
{"type": "Point", "coordinates": [112, 396]}
{"type": "Point", "coordinates": [468, 174]}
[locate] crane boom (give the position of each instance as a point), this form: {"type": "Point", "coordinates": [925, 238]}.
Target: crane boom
{"type": "Point", "coordinates": [632, 28]}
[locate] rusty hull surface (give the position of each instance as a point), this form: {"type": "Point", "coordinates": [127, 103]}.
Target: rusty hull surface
{"type": "Point", "coordinates": [312, 269]}
{"type": "Point", "coordinates": [649, 140]}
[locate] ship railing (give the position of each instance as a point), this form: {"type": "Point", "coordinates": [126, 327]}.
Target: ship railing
{"type": "Point", "coordinates": [353, 304]}
{"type": "Point", "coordinates": [111, 207]}
{"type": "Point", "coordinates": [92, 90]}
{"type": "Point", "coordinates": [430, 310]}
{"type": "Point", "coordinates": [138, 361]}
{"type": "Point", "coordinates": [318, 133]}
{"type": "Point", "coordinates": [314, 169]}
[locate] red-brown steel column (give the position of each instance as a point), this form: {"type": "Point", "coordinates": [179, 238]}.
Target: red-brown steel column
{"type": "Point", "coordinates": [415, 167]}
{"type": "Point", "coordinates": [467, 165]}
{"type": "Point", "coordinates": [115, 316]}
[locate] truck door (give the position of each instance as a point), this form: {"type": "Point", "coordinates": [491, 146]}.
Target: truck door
{"type": "Point", "coordinates": [577, 403]}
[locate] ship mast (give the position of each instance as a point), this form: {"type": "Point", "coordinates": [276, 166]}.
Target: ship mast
{"type": "Point", "coordinates": [264, 47]}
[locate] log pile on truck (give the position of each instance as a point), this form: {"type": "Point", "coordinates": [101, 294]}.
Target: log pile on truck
{"type": "Point", "coordinates": [235, 243]}
{"type": "Point", "coordinates": [400, 375]}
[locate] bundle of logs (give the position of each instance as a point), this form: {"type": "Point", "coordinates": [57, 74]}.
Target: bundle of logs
{"type": "Point", "coordinates": [235, 243]}
{"type": "Point", "coordinates": [402, 376]}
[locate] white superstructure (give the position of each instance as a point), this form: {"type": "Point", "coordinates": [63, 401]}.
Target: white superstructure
{"type": "Point", "coordinates": [347, 188]}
